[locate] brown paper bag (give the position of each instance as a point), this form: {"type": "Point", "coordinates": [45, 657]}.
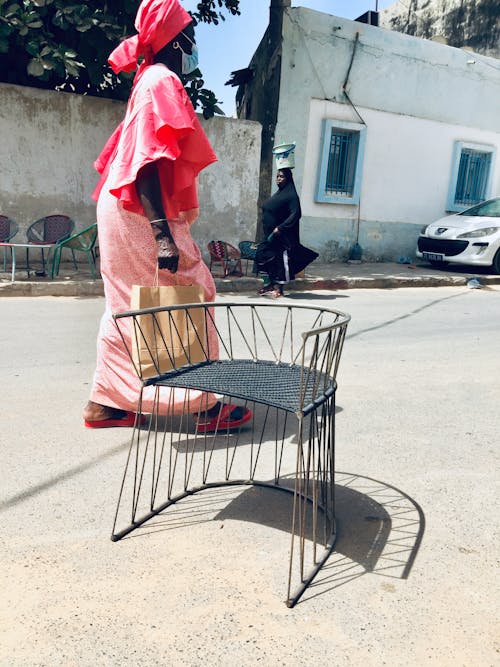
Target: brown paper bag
{"type": "Point", "coordinates": [166, 340]}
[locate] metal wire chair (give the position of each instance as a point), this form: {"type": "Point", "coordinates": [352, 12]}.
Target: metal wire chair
{"type": "Point", "coordinates": [281, 361]}
{"type": "Point", "coordinates": [227, 257]}
{"type": "Point", "coordinates": [49, 229]}
{"type": "Point", "coordinates": [8, 229]}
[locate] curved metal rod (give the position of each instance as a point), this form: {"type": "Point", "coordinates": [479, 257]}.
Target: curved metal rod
{"type": "Point", "coordinates": [292, 599]}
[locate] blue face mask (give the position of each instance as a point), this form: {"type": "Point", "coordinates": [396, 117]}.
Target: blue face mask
{"type": "Point", "coordinates": [189, 60]}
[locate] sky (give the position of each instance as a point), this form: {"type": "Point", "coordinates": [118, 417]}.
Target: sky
{"type": "Point", "coordinates": [230, 45]}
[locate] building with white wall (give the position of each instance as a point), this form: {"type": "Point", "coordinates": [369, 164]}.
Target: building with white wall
{"type": "Point", "coordinates": [392, 131]}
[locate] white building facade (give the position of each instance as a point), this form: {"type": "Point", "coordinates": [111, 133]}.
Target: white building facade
{"type": "Point", "coordinates": [392, 132]}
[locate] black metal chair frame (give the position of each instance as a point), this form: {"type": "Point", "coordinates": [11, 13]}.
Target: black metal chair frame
{"type": "Point", "coordinates": [227, 256]}
{"type": "Point", "coordinates": [41, 232]}
{"type": "Point", "coordinates": [283, 373]}
{"type": "Point", "coordinates": [9, 229]}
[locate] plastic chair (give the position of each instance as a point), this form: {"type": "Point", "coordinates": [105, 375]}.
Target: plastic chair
{"type": "Point", "coordinates": [50, 229]}
{"type": "Point", "coordinates": [8, 229]}
{"type": "Point", "coordinates": [83, 241]}
{"type": "Point", "coordinates": [248, 250]}
{"type": "Point", "coordinates": [227, 256]}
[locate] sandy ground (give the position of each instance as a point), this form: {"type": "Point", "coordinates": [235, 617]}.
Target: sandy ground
{"type": "Point", "coordinates": [413, 579]}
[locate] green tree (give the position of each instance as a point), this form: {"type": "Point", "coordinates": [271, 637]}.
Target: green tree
{"type": "Point", "coordinates": [64, 45]}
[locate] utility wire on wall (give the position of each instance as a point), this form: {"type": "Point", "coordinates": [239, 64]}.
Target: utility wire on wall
{"type": "Point", "coordinates": [356, 251]}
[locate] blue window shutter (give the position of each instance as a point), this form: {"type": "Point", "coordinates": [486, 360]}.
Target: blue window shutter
{"type": "Point", "coordinates": [341, 160]}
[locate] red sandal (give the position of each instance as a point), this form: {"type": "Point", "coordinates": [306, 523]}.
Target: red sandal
{"type": "Point", "coordinates": [222, 421]}
{"type": "Point", "coordinates": [128, 419]}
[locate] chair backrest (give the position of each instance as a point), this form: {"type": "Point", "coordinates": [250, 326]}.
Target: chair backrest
{"type": "Point", "coordinates": [220, 250]}
{"type": "Point", "coordinates": [50, 229]}
{"type": "Point", "coordinates": [231, 251]}
{"type": "Point", "coordinates": [286, 335]}
{"type": "Point", "coordinates": [8, 228]}
{"type": "Point", "coordinates": [84, 240]}
{"type": "Point", "coordinates": [248, 249]}
{"type": "Point", "coordinates": [217, 250]}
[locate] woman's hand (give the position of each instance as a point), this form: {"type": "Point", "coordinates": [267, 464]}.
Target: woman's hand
{"type": "Point", "coordinates": [168, 254]}
{"type": "Point", "coordinates": [274, 233]}
{"type": "Point", "coordinates": [149, 192]}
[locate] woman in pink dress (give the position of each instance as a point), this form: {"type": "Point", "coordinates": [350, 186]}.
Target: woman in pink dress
{"type": "Point", "coordinates": [146, 203]}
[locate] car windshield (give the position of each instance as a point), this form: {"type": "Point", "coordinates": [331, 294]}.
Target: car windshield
{"type": "Point", "coordinates": [490, 208]}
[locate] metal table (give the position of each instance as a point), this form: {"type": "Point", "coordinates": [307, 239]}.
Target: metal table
{"type": "Point", "coordinates": [27, 246]}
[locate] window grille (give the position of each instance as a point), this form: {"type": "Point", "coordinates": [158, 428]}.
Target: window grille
{"type": "Point", "coordinates": [471, 175]}
{"type": "Point", "coordinates": [341, 159]}
{"type": "Point", "coordinates": [473, 172]}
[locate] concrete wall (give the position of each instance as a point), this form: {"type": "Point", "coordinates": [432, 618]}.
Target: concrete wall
{"type": "Point", "coordinates": [416, 98]}
{"type": "Point", "coordinates": [473, 24]}
{"type": "Point", "coordinates": [49, 141]}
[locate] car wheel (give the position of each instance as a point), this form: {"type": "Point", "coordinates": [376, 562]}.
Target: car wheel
{"type": "Point", "coordinates": [438, 264]}
{"type": "Point", "coordinates": [496, 262]}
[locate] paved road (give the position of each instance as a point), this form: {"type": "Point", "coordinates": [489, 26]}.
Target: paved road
{"type": "Point", "coordinates": [417, 444]}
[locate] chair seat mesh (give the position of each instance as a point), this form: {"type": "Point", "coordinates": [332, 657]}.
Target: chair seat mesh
{"type": "Point", "coordinates": [278, 385]}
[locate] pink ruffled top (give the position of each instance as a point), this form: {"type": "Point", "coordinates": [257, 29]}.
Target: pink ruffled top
{"type": "Point", "coordinates": [160, 125]}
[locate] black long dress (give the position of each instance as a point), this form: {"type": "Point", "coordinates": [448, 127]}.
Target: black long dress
{"type": "Point", "coordinates": [281, 255]}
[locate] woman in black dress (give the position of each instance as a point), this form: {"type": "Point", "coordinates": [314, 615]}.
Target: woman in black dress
{"type": "Point", "coordinates": [280, 255]}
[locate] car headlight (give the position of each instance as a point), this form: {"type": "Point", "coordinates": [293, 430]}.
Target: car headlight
{"type": "Point", "coordinates": [485, 231]}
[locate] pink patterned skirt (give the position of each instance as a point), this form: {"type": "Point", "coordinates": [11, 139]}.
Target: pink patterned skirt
{"type": "Point", "coordinates": [128, 257]}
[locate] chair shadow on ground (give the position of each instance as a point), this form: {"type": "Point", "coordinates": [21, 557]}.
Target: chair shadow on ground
{"type": "Point", "coordinates": [379, 527]}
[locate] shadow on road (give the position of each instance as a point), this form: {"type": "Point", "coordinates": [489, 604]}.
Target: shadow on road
{"type": "Point", "coordinates": [379, 527]}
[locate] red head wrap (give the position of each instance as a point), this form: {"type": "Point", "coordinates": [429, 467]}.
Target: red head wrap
{"type": "Point", "coordinates": [157, 22]}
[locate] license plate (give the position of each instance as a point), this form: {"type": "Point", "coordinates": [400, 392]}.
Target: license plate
{"type": "Point", "coordinates": [433, 256]}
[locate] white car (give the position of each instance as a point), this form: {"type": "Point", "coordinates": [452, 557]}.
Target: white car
{"type": "Point", "coordinates": [469, 237]}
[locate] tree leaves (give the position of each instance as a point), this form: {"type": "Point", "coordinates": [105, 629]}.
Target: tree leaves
{"type": "Point", "coordinates": [64, 45]}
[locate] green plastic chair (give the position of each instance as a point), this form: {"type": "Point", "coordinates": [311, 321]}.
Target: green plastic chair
{"type": "Point", "coordinates": [83, 241]}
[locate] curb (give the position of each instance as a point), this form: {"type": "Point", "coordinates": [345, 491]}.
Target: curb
{"type": "Point", "coordinates": [75, 288]}
{"type": "Point", "coordinates": [94, 288]}
{"type": "Point", "coordinates": [355, 282]}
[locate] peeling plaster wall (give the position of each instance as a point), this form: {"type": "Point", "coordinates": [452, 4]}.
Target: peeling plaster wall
{"type": "Point", "coordinates": [229, 189]}
{"type": "Point", "coordinates": [49, 141]}
{"type": "Point", "coordinates": [463, 23]}
{"type": "Point", "coordinates": [416, 97]}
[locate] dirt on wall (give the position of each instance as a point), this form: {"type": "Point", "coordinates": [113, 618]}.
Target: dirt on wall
{"type": "Point", "coordinates": [474, 24]}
